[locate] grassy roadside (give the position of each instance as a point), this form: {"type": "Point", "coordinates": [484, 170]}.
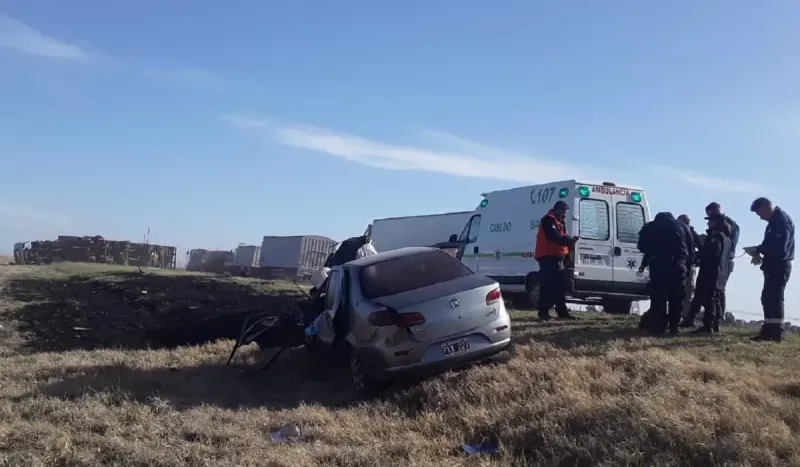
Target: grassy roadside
{"type": "Point", "coordinates": [588, 392]}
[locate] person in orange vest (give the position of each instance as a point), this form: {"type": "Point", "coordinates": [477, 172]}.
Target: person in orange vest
{"type": "Point", "coordinates": [552, 247]}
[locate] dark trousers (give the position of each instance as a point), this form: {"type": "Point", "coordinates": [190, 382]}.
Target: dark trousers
{"type": "Point", "coordinates": [776, 276]}
{"type": "Point", "coordinates": [712, 303]}
{"type": "Point", "coordinates": [552, 286]}
{"type": "Point", "coordinates": [699, 300]}
{"type": "Point", "coordinates": [667, 295]}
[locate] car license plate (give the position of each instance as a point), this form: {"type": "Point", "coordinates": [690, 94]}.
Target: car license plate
{"type": "Point", "coordinates": [592, 260]}
{"type": "Point", "coordinates": [455, 347]}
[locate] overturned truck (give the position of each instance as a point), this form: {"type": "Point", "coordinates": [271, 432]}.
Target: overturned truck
{"type": "Point", "coordinates": [96, 249]}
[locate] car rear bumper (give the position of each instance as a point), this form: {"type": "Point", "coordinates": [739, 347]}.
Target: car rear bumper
{"type": "Point", "coordinates": [436, 366]}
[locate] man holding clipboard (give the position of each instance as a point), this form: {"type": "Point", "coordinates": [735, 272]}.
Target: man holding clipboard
{"type": "Point", "coordinates": [775, 255]}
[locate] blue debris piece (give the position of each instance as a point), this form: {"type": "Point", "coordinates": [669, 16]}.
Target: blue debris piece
{"type": "Point", "coordinates": [483, 448]}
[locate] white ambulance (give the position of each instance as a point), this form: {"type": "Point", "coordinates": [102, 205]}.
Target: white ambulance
{"type": "Point", "coordinates": [500, 238]}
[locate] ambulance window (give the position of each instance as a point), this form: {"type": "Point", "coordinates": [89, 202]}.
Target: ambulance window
{"type": "Point", "coordinates": [594, 219]}
{"type": "Point", "coordinates": [630, 220]}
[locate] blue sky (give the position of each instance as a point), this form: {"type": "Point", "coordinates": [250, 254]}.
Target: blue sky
{"type": "Point", "coordinates": [224, 122]}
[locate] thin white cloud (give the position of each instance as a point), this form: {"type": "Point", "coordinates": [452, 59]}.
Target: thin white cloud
{"type": "Point", "coordinates": [16, 35]}
{"type": "Point", "coordinates": [245, 123]}
{"type": "Point", "coordinates": [462, 157]}
{"type": "Point", "coordinates": [192, 76]}
{"type": "Point", "coordinates": [466, 159]}
{"type": "Point", "coordinates": [712, 183]}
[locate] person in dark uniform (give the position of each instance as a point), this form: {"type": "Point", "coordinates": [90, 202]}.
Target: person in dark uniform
{"type": "Point", "coordinates": [665, 245]}
{"type": "Point", "coordinates": [713, 274]}
{"type": "Point", "coordinates": [691, 262]}
{"type": "Point", "coordinates": [693, 303]}
{"type": "Point", "coordinates": [712, 209]}
{"type": "Point", "coordinates": [552, 247]}
{"type": "Point", "coordinates": [775, 255]}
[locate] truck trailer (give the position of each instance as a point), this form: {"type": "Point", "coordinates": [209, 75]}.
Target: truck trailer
{"type": "Point", "coordinates": [391, 233]}
{"type": "Point", "coordinates": [294, 257]}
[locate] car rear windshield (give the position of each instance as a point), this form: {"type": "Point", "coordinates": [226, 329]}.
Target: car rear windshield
{"type": "Point", "coordinates": [405, 273]}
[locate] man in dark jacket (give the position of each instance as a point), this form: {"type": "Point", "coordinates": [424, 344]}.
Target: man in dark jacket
{"type": "Point", "coordinates": [666, 248]}
{"type": "Point", "coordinates": [713, 209]}
{"type": "Point", "coordinates": [775, 255]}
{"type": "Point", "coordinates": [713, 275]}
{"type": "Point", "coordinates": [552, 247]}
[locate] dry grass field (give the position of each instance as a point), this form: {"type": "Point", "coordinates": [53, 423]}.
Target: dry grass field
{"type": "Point", "coordinates": [85, 380]}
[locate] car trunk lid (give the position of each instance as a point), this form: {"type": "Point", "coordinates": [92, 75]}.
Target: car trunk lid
{"type": "Point", "coordinates": [450, 308]}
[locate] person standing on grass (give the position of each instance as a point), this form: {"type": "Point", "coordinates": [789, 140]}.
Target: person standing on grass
{"type": "Point", "coordinates": [714, 209]}
{"type": "Point", "coordinates": [552, 247]}
{"type": "Point", "coordinates": [713, 275]}
{"type": "Point", "coordinates": [664, 242]}
{"type": "Point", "coordinates": [775, 255]}
{"type": "Point", "coordinates": [690, 263]}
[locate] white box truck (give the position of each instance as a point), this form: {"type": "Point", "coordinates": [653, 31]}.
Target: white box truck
{"type": "Point", "coordinates": [500, 237]}
{"type": "Point", "coordinates": [392, 233]}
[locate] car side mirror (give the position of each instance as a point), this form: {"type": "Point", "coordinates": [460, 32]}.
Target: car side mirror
{"type": "Point", "coordinates": [453, 238]}
{"type": "Point", "coordinates": [475, 250]}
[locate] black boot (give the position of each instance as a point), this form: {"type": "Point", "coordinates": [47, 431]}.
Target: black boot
{"type": "Point", "coordinates": [686, 323]}
{"type": "Point", "coordinates": [768, 333]}
{"type": "Point", "coordinates": [708, 325]}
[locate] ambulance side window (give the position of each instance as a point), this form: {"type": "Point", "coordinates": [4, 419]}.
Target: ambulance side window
{"type": "Point", "coordinates": [594, 220]}
{"type": "Point", "coordinates": [470, 233]}
{"type": "Point", "coordinates": [630, 220]}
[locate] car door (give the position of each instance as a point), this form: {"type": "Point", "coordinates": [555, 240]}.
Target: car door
{"type": "Point", "coordinates": [467, 241]}
{"type": "Point", "coordinates": [333, 297]}
{"type": "Point", "coordinates": [629, 217]}
{"type": "Point", "coordinates": [594, 251]}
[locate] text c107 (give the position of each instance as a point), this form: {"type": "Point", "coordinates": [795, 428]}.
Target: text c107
{"type": "Point", "coordinates": [542, 195]}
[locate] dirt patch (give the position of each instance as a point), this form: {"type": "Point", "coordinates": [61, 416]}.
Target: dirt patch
{"type": "Point", "coordinates": [128, 309]}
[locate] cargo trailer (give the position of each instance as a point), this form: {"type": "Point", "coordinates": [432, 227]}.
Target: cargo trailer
{"type": "Point", "coordinates": [392, 233]}
{"type": "Point", "coordinates": [294, 257]}
{"type": "Point", "coordinates": [247, 256]}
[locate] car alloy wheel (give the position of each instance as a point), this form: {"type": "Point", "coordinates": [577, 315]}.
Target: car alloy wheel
{"type": "Point", "coordinates": [364, 386]}
{"type": "Point", "coordinates": [357, 374]}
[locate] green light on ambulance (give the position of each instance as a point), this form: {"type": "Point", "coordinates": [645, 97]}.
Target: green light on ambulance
{"type": "Point", "coordinates": [636, 197]}
{"type": "Point", "coordinates": [484, 203]}
{"type": "Point", "coordinates": [562, 193]}
{"type": "Point", "coordinates": [584, 191]}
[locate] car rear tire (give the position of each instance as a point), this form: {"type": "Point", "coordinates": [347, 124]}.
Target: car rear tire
{"type": "Point", "coordinates": [617, 306]}
{"type": "Point", "coordinates": [364, 386]}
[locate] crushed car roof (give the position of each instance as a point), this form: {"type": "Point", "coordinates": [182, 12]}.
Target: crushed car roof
{"type": "Point", "coordinates": [400, 252]}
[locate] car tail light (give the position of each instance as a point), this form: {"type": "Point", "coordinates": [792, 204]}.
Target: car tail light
{"type": "Point", "coordinates": [493, 296]}
{"type": "Point", "coordinates": [387, 318]}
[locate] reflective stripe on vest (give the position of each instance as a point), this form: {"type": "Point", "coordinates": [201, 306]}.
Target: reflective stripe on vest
{"type": "Point", "coordinates": [544, 247]}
